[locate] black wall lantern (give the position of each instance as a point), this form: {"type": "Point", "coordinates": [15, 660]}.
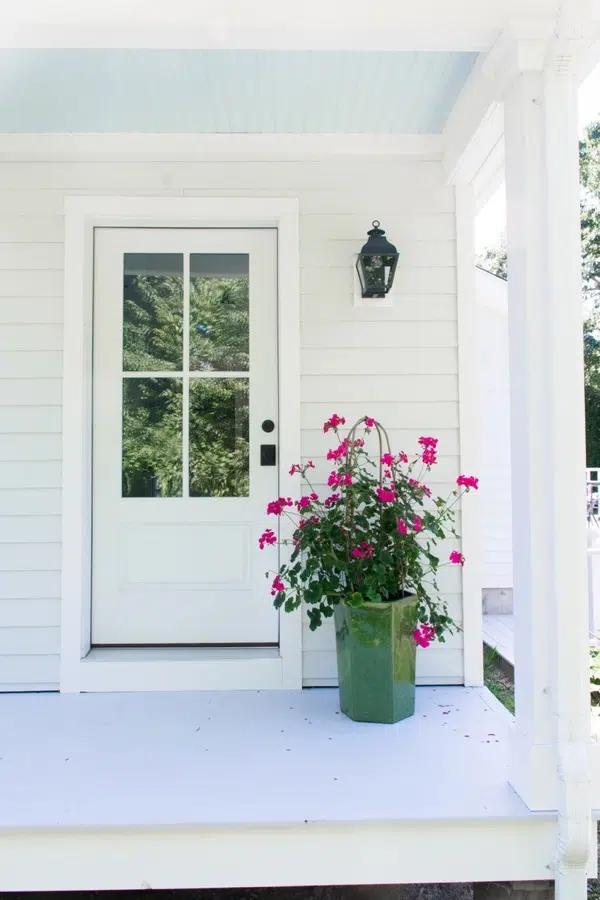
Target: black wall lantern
{"type": "Point", "coordinates": [376, 263]}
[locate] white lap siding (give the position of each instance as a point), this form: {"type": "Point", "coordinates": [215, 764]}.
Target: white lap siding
{"type": "Point", "coordinates": [399, 363]}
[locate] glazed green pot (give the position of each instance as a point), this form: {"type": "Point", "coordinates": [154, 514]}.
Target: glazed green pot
{"type": "Point", "coordinates": [376, 654]}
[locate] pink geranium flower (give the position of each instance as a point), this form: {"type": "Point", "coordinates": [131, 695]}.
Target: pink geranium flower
{"type": "Point", "coordinates": [403, 457]}
{"type": "Point", "coordinates": [334, 423]}
{"type": "Point", "coordinates": [276, 507]}
{"type": "Point", "coordinates": [457, 558]}
{"type": "Point", "coordinates": [468, 481]}
{"type": "Point", "coordinates": [333, 498]}
{"type": "Point", "coordinates": [387, 459]}
{"type": "Point", "coordinates": [402, 527]}
{"type": "Point", "coordinates": [429, 456]}
{"type": "Point", "coordinates": [363, 551]}
{"type": "Point", "coordinates": [335, 480]}
{"type": "Point", "coordinates": [428, 442]}
{"type": "Point", "coordinates": [424, 635]}
{"type": "Point", "coordinates": [267, 537]}
{"type": "Point", "coordinates": [421, 487]}
{"type": "Point", "coordinates": [277, 587]}
{"type": "Point", "coordinates": [305, 502]}
{"type": "Point", "coordinates": [295, 468]}
{"type": "Point", "coordinates": [339, 452]}
{"type": "Point", "coordinates": [417, 524]}
{"type": "Point", "coordinates": [386, 495]}
{"type": "Point", "coordinates": [369, 422]}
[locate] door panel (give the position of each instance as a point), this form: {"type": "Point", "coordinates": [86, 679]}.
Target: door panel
{"type": "Point", "coordinates": [184, 373]}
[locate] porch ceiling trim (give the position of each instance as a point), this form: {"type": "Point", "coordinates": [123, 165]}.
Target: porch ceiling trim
{"type": "Point", "coordinates": [189, 147]}
{"type": "Point", "coordinates": [272, 24]}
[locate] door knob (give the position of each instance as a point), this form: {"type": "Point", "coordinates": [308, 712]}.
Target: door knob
{"type": "Point", "coordinates": [268, 425]}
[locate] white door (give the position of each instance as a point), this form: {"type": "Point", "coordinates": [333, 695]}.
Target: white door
{"type": "Point", "coordinates": [184, 397]}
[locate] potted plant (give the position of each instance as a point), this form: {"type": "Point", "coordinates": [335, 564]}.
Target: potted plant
{"type": "Point", "coordinates": [365, 554]}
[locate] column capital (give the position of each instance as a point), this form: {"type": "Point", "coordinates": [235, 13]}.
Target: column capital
{"type": "Point", "coordinates": [553, 44]}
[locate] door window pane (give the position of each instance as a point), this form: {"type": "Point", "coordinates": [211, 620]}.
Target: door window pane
{"type": "Point", "coordinates": [219, 437]}
{"type": "Point", "coordinates": [219, 331]}
{"type": "Point", "coordinates": [153, 312]}
{"type": "Point", "coordinates": [152, 437]}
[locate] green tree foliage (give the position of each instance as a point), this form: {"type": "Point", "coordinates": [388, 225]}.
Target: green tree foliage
{"type": "Point", "coordinates": [495, 260]}
{"type": "Point", "coordinates": [153, 324]}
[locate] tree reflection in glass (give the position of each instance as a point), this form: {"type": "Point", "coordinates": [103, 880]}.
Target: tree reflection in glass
{"type": "Point", "coordinates": [219, 438]}
{"type": "Point", "coordinates": [153, 312]}
{"type": "Point", "coordinates": [219, 326]}
{"type": "Point", "coordinates": [152, 437]}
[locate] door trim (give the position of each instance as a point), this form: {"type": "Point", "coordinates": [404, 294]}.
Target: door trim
{"type": "Point", "coordinates": [80, 670]}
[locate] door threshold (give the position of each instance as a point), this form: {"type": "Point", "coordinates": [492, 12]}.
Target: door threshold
{"type": "Point", "coordinates": [179, 654]}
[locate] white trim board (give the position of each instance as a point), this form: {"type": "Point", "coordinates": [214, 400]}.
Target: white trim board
{"type": "Point", "coordinates": [82, 215]}
{"type": "Point", "coordinates": [47, 147]}
{"type": "Point", "coordinates": [468, 431]}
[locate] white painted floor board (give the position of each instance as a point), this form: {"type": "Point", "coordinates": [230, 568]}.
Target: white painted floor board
{"type": "Point", "coordinates": [248, 758]}
{"type": "Point", "coordinates": [498, 632]}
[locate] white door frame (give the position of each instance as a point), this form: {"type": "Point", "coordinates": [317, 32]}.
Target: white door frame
{"type": "Point", "coordinates": [130, 670]}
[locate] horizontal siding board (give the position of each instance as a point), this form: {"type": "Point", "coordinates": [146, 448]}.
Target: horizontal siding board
{"type": "Point", "coordinates": [41, 641]}
{"type": "Point", "coordinates": [30, 337]}
{"type": "Point", "coordinates": [28, 229]}
{"type": "Point", "coordinates": [30, 670]}
{"type": "Point", "coordinates": [30, 475]}
{"type": "Point", "coordinates": [378, 334]}
{"type": "Point", "coordinates": [31, 311]}
{"type": "Point", "coordinates": [313, 441]}
{"type": "Point", "coordinates": [405, 308]}
{"type": "Point", "coordinates": [34, 529]}
{"type": "Point", "coordinates": [355, 388]}
{"type": "Point", "coordinates": [417, 226]}
{"type": "Point", "coordinates": [30, 256]}
{"type": "Point", "coordinates": [341, 280]}
{"type": "Point", "coordinates": [30, 392]}
{"type": "Point", "coordinates": [444, 473]}
{"type": "Point", "coordinates": [32, 502]}
{"type": "Point", "coordinates": [426, 253]}
{"type": "Point", "coordinates": [34, 283]}
{"type": "Point", "coordinates": [39, 612]}
{"type": "Point", "coordinates": [15, 585]}
{"type": "Point", "coordinates": [323, 638]}
{"type": "Point", "coordinates": [381, 361]}
{"type": "Point", "coordinates": [42, 447]}
{"type": "Point", "coordinates": [26, 419]}
{"type": "Point", "coordinates": [392, 414]}
{"type": "Point", "coordinates": [219, 176]}
{"type": "Point", "coordinates": [30, 557]}
{"type": "Point", "coordinates": [23, 364]}
{"type": "Point", "coordinates": [432, 663]}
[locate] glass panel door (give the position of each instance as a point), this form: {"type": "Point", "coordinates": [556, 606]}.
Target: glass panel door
{"type": "Point", "coordinates": [185, 371]}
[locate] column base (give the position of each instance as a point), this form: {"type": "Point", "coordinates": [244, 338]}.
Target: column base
{"type": "Point", "coordinates": [532, 771]}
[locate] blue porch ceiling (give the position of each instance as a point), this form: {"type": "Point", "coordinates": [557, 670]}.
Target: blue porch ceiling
{"type": "Point", "coordinates": [224, 91]}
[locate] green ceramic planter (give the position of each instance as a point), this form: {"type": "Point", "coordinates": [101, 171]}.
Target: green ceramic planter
{"type": "Point", "coordinates": [376, 655]}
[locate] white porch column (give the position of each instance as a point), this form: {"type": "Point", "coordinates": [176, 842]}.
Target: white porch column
{"type": "Point", "coordinates": [532, 764]}
{"type": "Point", "coordinates": [548, 763]}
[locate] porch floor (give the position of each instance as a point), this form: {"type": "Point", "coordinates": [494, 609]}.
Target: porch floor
{"type": "Point", "coordinates": [247, 757]}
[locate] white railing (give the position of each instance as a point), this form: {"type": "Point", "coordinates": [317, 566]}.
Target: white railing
{"type": "Point", "coordinates": [593, 517]}
{"type": "Point", "coordinates": [593, 493]}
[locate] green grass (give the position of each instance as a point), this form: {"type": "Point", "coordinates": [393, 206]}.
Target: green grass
{"type": "Point", "coordinates": [501, 686]}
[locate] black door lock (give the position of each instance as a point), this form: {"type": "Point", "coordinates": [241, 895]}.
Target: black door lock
{"type": "Point", "coordinates": [268, 456]}
{"type": "Point", "coordinates": [268, 425]}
